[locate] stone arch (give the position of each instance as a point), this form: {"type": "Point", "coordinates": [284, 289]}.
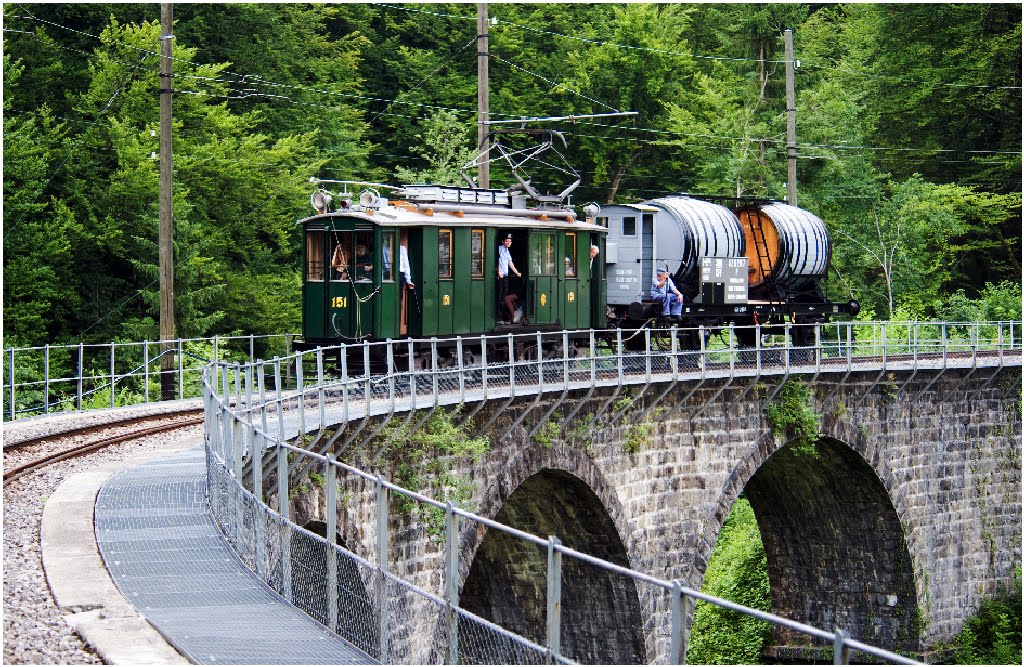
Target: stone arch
{"type": "Point", "coordinates": [835, 543]}
{"type": "Point", "coordinates": [357, 616]}
{"type": "Point", "coordinates": [506, 583]}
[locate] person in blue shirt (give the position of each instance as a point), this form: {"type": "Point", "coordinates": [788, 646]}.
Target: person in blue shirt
{"type": "Point", "coordinates": [664, 291]}
{"type": "Point", "coordinates": [505, 264]}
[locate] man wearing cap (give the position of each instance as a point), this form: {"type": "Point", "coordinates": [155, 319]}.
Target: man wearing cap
{"type": "Point", "coordinates": [504, 264]}
{"type": "Point", "coordinates": [664, 292]}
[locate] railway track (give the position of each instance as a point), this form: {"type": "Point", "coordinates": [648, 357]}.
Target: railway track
{"type": "Point", "coordinates": [23, 458]}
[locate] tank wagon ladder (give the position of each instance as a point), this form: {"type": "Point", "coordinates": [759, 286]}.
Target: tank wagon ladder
{"type": "Point", "coordinates": [764, 260]}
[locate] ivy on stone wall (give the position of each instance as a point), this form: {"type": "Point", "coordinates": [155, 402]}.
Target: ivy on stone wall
{"type": "Point", "coordinates": [792, 415]}
{"type": "Point", "coordinates": [423, 459]}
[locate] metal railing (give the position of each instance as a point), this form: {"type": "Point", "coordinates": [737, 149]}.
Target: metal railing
{"type": "Point", "coordinates": [254, 413]}
{"type": "Point", "coordinates": [62, 378]}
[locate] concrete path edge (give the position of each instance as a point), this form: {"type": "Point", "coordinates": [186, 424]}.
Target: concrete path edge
{"type": "Point", "coordinates": [78, 579]}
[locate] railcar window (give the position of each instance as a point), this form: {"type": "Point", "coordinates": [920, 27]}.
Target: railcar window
{"type": "Point", "coordinates": [629, 226]}
{"type": "Point", "coordinates": [549, 255]}
{"type": "Point", "coordinates": [477, 250]}
{"type": "Point", "coordinates": [444, 253]}
{"type": "Point", "coordinates": [570, 255]}
{"type": "Point", "coordinates": [315, 256]}
{"type": "Point", "coordinates": [341, 255]}
{"type": "Point", "coordinates": [364, 256]}
{"type": "Point", "coordinates": [387, 256]}
{"type": "Point", "coordinates": [542, 256]}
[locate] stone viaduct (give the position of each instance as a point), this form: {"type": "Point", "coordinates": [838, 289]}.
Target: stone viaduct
{"type": "Point", "coordinates": [906, 516]}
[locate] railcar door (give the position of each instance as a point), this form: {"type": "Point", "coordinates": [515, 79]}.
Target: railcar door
{"type": "Point", "coordinates": [314, 291]}
{"type": "Point", "coordinates": [573, 302]}
{"type": "Point", "coordinates": [339, 324]}
{"type": "Point", "coordinates": [543, 279]}
{"type": "Point", "coordinates": [386, 303]}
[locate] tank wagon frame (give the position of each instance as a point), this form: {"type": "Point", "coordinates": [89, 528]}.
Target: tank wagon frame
{"type": "Point", "coordinates": [736, 261]}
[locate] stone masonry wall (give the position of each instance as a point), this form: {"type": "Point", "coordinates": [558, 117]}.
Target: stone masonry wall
{"type": "Point", "coordinates": [915, 498]}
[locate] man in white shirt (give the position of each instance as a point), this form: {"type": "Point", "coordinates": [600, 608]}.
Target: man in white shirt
{"type": "Point", "coordinates": [504, 265]}
{"type": "Point", "coordinates": [403, 263]}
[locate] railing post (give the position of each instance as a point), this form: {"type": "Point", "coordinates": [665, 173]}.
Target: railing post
{"type": "Point", "coordinates": [732, 349]}
{"type": "Point", "coordinates": [511, 365]}
{"type": "Point", "coordinates": [225, 422]}
{"type": "Point", "coordinates": [382, 567]}
{"type": "Point", "coordinates": [540, 364]}
{"type": "Point", "coordinates": [78, 374]}
{"type": "Point", "coordinates": [757, 347]}
{"type": "Point", "coordinates": [300, 391]}
{"type": "Point", "coordinates": [392, 371]}
{"type": "Point", "coordinates": [817, 347]}
{"type": "Point", "coordinates": [885, 346]}
{"type": "Point", "coordinates": [343, 355]}
{"type": "Point", "coordinates": [46, 380]}
{"type": "Point", "coordinates": [180, 361]}
{"type": "Point", "coordinates": [682, 605]}
{"type": "Point", "coordinates": [647, 355]}
{"type": "Point", "coordinates": [675, 353]}
{"type": "Point", "coordinates": [975, 342]}
{"type": "Point", "coordinates": [915, 344]}
{"type": "Point", "coordinates": [849, 345]}
{"type": "Point", "coordinates": [618, 353]}
{"type": "Point", "coordinates": [945, 347]}
{"type": "Point", "coordinates": [593, 358]}
{"type": "Point", "coordinates": [433, 366]}
{"type": "Point", "coordinates": [703, 352]}
{"type": "Point", "coordinates": [283, 506]}
{"type": "Point", "coordinates": [320, 385]}
{"type": "Point", "coordinates": [10, 371]}
{"type": "Point", "coordinates": [483, 365]}
{"type": "Point", "coordinates": [565, 358]}
{"type": "Point", "coordinates": [462, 378]}
{"type": "Point", "coordinates": [452, 581]}
{"type": "Point", "coordinates": [554, 607]}
{"type": "Point", "coordinates": [252, 349]}
{"type": "Point", "coordinates": [279, 399]}
{"type": "Point", "coordinates": [840, 651]}
{"type": "Point", "coordinates": [789, 342]}
{"type": "Point", "coordinates": [145, 372]}
{"type": "Point", "coordinates": [112, 375]}
{"type": "Point", "coordinates": [331, 511]}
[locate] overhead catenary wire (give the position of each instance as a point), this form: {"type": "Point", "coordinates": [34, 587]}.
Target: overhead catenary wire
{"type": "Point", "coordinates": [256, 80]}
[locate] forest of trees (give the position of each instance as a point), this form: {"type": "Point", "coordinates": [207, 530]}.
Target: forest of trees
{"type": "Point", "coordinates": [908, 125]}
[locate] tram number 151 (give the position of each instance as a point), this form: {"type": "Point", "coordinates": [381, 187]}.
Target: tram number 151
{"type": "Point", "coordinates": [339, 302]}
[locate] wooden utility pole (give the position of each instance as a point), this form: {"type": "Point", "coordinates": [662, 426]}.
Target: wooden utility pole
{"type": "Point", "coordinates": [790, 120]}
{"type": "Point", "coordinates": [482, 93]}
{"type": "Point", "coordinates": [167, 379]}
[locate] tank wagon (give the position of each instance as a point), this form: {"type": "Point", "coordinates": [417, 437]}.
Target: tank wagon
{"type": "Point", "coordinates": [746, 263]}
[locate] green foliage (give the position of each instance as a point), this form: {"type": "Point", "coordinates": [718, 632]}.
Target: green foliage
{"type": "Point", "coordinates": [793, 416]}
{"type": "Point", "coordinates": [582, 435]}
{"type": "Point", "coordinates": [737, 571]}
{"type": "Point", "coordinates": [422, 461]}
{"type": "Point", "coordinates": [637, 435]}
{"type": "Point", "coordinates": [547, 434]}
{"type": "Point", "coordinates": [446, 146]}
{"type": "Point", "coordinates": [909, 120]}
{"type": "Point", "coordinates": [992, 636]}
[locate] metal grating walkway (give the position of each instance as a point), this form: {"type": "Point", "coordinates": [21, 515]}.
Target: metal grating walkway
{"type": "Point", "coordinates": [168, 559]}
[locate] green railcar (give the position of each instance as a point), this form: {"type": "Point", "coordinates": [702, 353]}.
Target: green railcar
{"type": "Point", "coordinates": [354, 288]}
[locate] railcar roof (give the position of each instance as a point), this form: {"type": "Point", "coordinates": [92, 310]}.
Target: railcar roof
{"type": "Point", "coordinates": [401, 214]}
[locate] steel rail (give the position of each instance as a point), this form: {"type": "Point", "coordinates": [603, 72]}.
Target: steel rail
{"type": "Point", "coordinates": [86, 448]}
